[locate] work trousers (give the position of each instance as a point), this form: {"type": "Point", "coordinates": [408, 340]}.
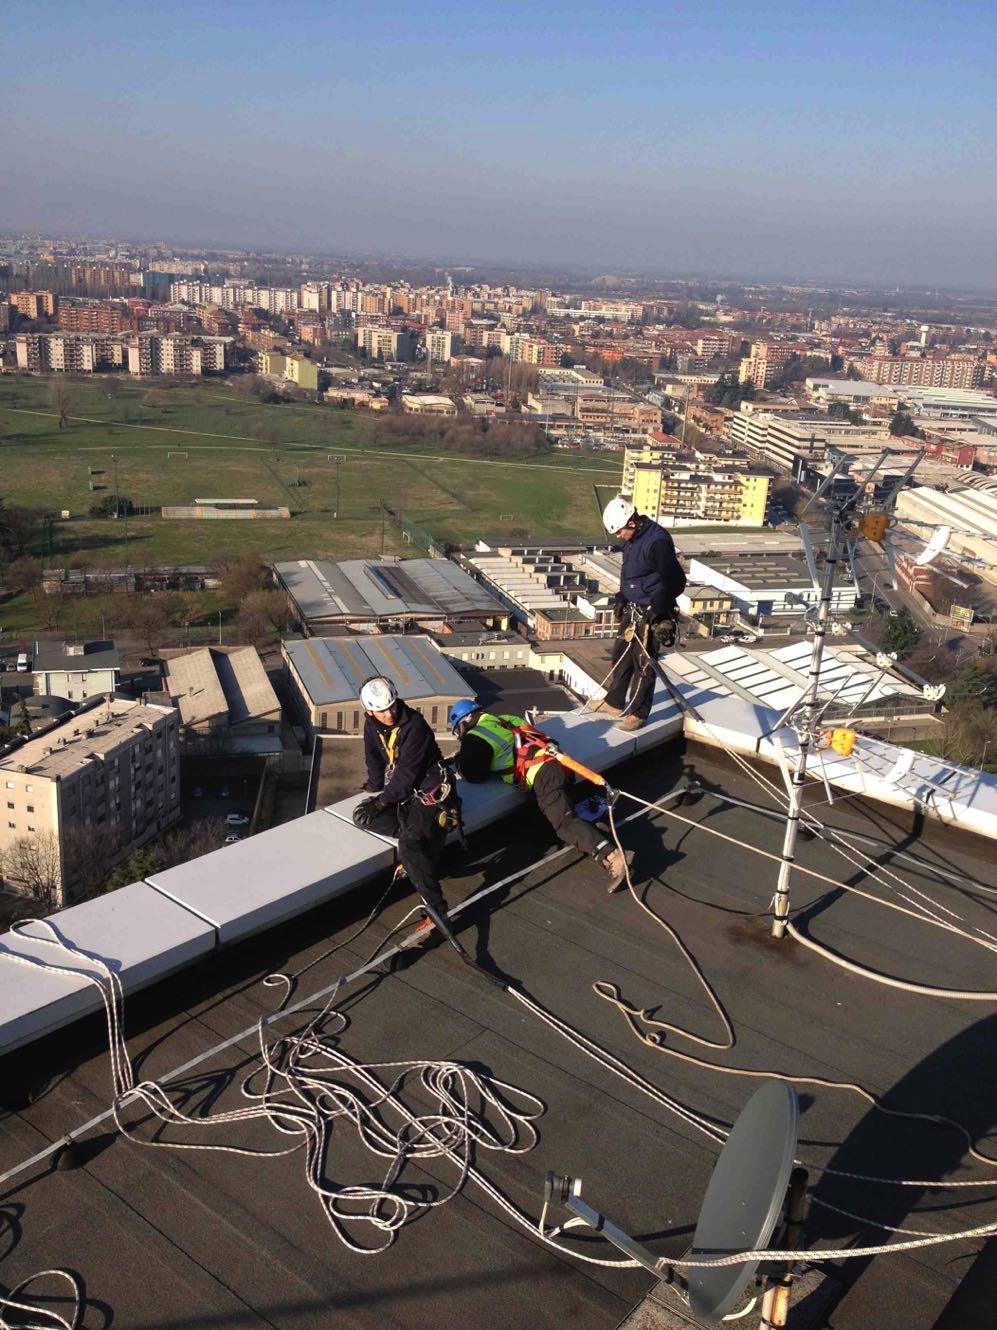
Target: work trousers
{"type": "Point", "coordinates": [551, 790]}
{"type": "Point", "coordinates": [631, 664]}
{"type": "Point", "coordinates": [420, 843]}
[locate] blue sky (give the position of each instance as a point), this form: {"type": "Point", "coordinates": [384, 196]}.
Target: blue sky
{"type": "Point", "coordinates": [740, 139]}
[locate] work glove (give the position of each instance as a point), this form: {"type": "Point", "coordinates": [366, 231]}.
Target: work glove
{"type": "Point", "coordinates": [665, 629]}
{"type": "Point", "coordinates": [365, 812]}
{"type": "Point", "coordinates": [619, 606]}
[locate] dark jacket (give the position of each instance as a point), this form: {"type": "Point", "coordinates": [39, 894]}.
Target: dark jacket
{"type": "Point", "coordinates": [417, 753]}
{"type": "Point", "coordinates": [652, 576]}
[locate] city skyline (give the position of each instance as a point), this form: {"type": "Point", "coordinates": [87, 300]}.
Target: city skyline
{"type": "Point", "coordinates": [677, 140]}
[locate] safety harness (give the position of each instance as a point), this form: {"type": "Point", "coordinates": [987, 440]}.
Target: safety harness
{"type": "Point", "coordinates": [437, 790]}
{"type": "Point", "coordinates": [520, 749]}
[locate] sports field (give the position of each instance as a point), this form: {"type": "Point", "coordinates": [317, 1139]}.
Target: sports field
{"type": "Point", "coordinates": [175, 443]}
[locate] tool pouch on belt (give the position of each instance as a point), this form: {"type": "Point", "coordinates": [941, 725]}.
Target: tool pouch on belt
{"type": "Point", "coordinates": [439, 792]}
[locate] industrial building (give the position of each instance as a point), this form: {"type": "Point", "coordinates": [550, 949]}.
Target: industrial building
{"type": "Point", "coordinates": [970, 513]}
{"type": "Point", "coordinates": [763, 585]}
{"type": "Point", "coordinates": [76, 670]}
{"type": "Point", "coordinates": [391, 592]}
{"type": "Point", "coordinates": [225, 700]}
{"type": "Point", "coordinates": [326, 674]}
{"type": "Point", "coordinates": [556, 592]}
{"type": "Point", "coordinates": [224, 509]}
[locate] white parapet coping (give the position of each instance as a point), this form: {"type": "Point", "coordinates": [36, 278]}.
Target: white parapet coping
{"type": "Point", "coordinates": [149, 930]}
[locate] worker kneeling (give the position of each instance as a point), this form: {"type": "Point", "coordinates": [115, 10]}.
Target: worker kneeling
{"type": "Point", "coordinates": [506, 746]}
{"type": "Point", "coordinates": [412, 794]}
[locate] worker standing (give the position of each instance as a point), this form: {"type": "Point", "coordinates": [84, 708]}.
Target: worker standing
{"type": "Point", "coordinates": [506, 746]}
{"type": "Point", "coordinates": [651, 581]}
{"type": "Point", "coordinates": [411, 790]}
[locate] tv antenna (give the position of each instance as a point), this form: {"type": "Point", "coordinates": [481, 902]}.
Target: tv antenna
{"type": "Point", "coordinates": [857, 514]}
{"type": "Point", "coordinates": [755, 1200]}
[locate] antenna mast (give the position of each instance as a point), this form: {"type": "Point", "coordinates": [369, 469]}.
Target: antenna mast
{"type": "Point", "coordinates": [847, 522]}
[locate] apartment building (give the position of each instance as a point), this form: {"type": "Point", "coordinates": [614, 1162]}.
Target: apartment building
{"type": "Point", "coordinates": [922, 371]}
{"type": "Point", "coordinates": [378, 341]}
{"type": "Point", "coordinates": [96, 316]}
{"type": "Point", "coordinates": [658, 449]}
{"type": "Point", "coordinates": [439, 342]}
{"type": "Point", "coordinates": [75, 670]}
{"type": "Point", "coordinates": [67, 353]}
{"type": "Point", "coordinates": [153, 353]}
{"type": "Point", "coordinates": [765, 362]}
{"type": "Point", "coordinates": [676, 497]}
{"type": "Point", "coordinates": [531, 351]}
{"type": "Point", "coordinates": [112, 768]}
{"type": "Point", "coordinates": [34, 304]}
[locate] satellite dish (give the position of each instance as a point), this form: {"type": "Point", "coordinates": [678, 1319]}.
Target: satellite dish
{"type": "Point", "coordinates": [934, 546]}
{"type": "Point", "coordinates": [745, 1198]}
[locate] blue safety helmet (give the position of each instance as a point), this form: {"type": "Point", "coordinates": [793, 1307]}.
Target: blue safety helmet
{"type": "Point", "coordinates": [465, 707]}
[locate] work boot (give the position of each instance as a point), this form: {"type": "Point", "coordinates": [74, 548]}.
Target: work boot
{"type": "Point", "coordinates": [606, 709]}
{"type": "Point", "coordinates": [616, 865]}
{"type": "Point", "coordinates": [420, 934]}
{"type": "Point", "coordinates": [632, 723]}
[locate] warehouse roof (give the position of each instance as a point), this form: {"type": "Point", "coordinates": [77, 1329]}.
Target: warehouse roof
{"type": "Point", "coordinates": [214, 682]}
{"type": "Point", "coordinates": [331, 669]}
{"type": "Point", "coordinates": [384, 588]}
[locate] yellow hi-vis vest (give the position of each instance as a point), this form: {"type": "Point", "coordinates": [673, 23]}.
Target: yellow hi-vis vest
{"type": "Point", "coordinates": [510, 759]}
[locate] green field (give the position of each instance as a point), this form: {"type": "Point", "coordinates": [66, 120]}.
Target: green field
{"type": "Point", "coordinates": [241, 448]}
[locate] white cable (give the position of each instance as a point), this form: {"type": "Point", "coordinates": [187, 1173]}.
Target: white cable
{"type": "Point", "coordinates": [14, 1301]}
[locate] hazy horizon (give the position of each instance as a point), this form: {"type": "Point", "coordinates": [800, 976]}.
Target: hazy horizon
{"type": "Point", "coordinates": [675, 140]}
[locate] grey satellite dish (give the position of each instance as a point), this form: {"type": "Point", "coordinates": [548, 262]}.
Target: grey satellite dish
{"type": "Point", "coordinates": [752, 1186]}
{"type": "Point", "coordinates": [745, 1198]}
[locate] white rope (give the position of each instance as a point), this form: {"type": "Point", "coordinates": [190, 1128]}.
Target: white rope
{"type": "Point", "coordinates": [14, 1302]}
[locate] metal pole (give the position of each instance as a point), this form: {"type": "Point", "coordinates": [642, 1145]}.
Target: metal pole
{"type": "Point", "coordinates": [219, 627]}
{"type": "Point", "coordinates": [805, 730]}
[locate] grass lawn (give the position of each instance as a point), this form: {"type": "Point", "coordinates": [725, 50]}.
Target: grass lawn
{"type": "Point", "coordinates": [244, 449]}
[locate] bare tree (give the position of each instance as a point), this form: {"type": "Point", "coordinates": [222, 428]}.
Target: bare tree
{"type": "Point", "coordinates": [147, 619]}
{"type": "Point", "coordinates": [244, 575]}
{"type": "Point", "coordinates": [61, 400]}
{"type": "Point", "coordinates": [32, 866]}
{"type": "Point", "coordinates": [23, 574]}
{"type": "Point", "coordinates": [271, 606]}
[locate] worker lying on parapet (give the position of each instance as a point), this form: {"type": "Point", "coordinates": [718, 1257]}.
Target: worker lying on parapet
{"type": "Point", "coordinates": [412, 794]}
{"type": "Point", "coordinates": [506, 746]}
{"type": "Point", "coordinates": [650, 583]}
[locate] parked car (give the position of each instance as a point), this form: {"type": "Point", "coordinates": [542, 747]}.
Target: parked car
{"type": "Point", "coordinates": [225, 792]}
{"type": "Point", "coordinates": [23, 664]}
{"type": "Point", "coordinates": [237, 820]}
{"type": "Point", "coordinates": [198, 793]}
{"type": "Point", "coordinates": [234, 840]}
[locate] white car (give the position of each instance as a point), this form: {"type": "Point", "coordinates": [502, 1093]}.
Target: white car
{"type": "Point", "coordinates": [237, 820]}
{"type": "Point", "coordinates": [233, 840]}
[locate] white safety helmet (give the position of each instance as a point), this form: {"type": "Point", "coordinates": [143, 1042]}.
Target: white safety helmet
{"type": "Point", "coordinates": [378, 693]}
{"type": "Point", "coordinates": [617, 513]}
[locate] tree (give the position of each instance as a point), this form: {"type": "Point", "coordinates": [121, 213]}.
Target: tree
{"type": "Point", "coordinates": [112, 505]}
{"type": "Point", "coordinates": [975, 682]}
{"type": "Point", "coordinates": [32, 866]}
{"type": "Point", "coordinates": [61, 400]}
{"type": "Point", "coordinates": [23, 574]}
{"type": "Point", "coordinates": [969, 734]}
{"type": "Point", "coordinates": [241, 576]}
{"type": "Point", "coordinates": [901, 634]}
{"type": "Point", "coordinates": [902, 424]}
{"type": "Point", "coordinates": [17, 526]}
{"type": "Point", "coordinates": [271, 607]}
{"type": "Point", "coordinates": [146, 617]}
{"type": "Point", "coordinates": [184, 609]}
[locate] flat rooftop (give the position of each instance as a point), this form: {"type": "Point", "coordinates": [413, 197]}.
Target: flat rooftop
{"type": "Point", "coordinates": [89, 734]}
{"type": "Point", "coordinates": [332, 669]}
{"type": "Point", "coordinates": [385, 588]}
{"type": "Point", "coordinates": [177, 1240]}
